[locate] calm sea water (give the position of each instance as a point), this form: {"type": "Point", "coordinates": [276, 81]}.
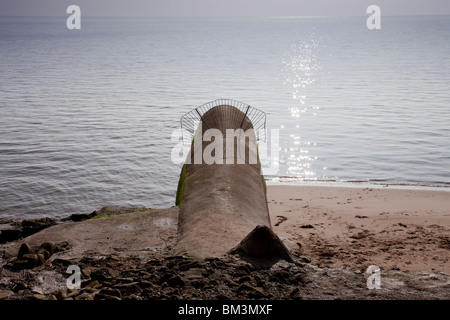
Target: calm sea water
{"type": "Point", "coordinates": [86, 115]}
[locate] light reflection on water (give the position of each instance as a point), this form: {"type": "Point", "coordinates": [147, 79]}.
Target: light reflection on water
{"type": "Point", "coordinates": [86, 117]}
{"type": "Point", "coordinates": [302, 70]}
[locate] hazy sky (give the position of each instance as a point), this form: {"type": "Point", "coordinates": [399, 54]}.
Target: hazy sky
{"type": "Point", "coordinates": [214, 8]}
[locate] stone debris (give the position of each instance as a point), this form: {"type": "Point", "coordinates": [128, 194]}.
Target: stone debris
{"type": "Point", "coordinates": [185, 278]}
{"type": "Point", "coordinates": [29, 259]}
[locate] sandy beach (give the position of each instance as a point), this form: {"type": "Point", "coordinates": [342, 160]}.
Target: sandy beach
{"type": "Point", "coordinates": [357, 227]}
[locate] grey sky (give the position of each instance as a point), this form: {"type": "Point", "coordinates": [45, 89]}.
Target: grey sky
{"type": "Point", "coordinates": [214, 8]}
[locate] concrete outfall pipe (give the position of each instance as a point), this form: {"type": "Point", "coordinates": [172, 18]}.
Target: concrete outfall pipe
{"type": "Point", "coordinates": [223, 204]}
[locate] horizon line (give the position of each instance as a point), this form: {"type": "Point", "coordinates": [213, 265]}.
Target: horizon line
{"type": "Point", "coordinates": [227, 16]}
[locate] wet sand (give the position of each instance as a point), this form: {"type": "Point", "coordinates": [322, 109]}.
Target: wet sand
{"type": "Point", "coordinates": [354, 228]}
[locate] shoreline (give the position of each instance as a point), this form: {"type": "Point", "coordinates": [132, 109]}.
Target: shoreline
{"type": "Point", "coordinates": [356, 184]}
{"type": "Point", "coordinates": [280, 181]}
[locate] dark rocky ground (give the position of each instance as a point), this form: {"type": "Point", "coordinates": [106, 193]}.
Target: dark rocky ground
{"type": "Point", "coordinates": [229, 278]}
{"type": "Point", "coordinates": [41, 274]}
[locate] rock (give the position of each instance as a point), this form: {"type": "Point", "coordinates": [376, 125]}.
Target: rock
{"type": "Point", "coordinates": [62, 294]}
{"type": "Point", "coordinates": [62, 262]}
{"type": "Point", "coordinates": [146, 284]}
{"type": "Point", "coordinates": [111, 292]}
{"type": "Point", "coordinates": [5, 294]}
{"type": "Point", "coordinates": [193, 274]}
{"type": "Point", "coordinates": [186, 265]}
{"type": "Point", "coordinates": [252, 292]}
{"type": "Point", "coordinates": [24, 249]}
{"type": "Point", "coordinates": [61, 246]}
{"type": "Point", "coordinates": [125, 286]}
{"type": "Point", "coordinates": [76, 217]}
{"type": "Point", "coordinates": [297, 279]}
{"type": "Point", "coordinates": [12, 233]}
{"type": "Point", "coordinates": [164, 278]}
{"type": "Point", "coordinates": [245, 279]}
{"type": "Point", "coordinates": [360, 235]}
{"type": "Point", "coordinates": [101, 296]}
{"type": "Point", "coordinates": [101, 274]}
{"type": "Point", "coordinates": [214, 262]}
{"type": "Point", "coordinates": [30, 227]}
{"type": "Point", "coordinates": [176, 257]}
{"type": "Point", "coordinates": [280, 276]}
{"type": "Point", "coordinates": [105, 211]}
{"type": "Point", "coordinates": [19, 265]}
{"type": "Point", "coordinates": [227, 279]}
{"type": "Point", "coordinates": [244, 287]}
{"type": "Point", "coordinates": [135, 289]}
{"type": "Point", "coordinates": [305, 260]}
{"type": "Point", "coordinates": [32, 259]}
{"type": "Point", "coordinates": [72, 292]}
{"type": "Point", "coordinates": [129, 289]}
{"type": "Point", "coordinates": [41, 258]}
{"type": "Point", "coordinates": [48, 246]}
{"type": "Point", "coordinates": [198, 283]}
{"type": "Point", "coordinates": [154, 262]}
{"type": "Point", "coordinates": [176, 281]}
{"type": "Point", "coordinates": [125, 280]}
{"type": "Point", "coordinates": [295, 293]}
{"type": "Point", "coordinates": [257, 293]}
{"type": "Point", "coordinates": [93, 285]}
{"type": "Point", "coordinates": [213, 283]}
{"type": "Point", "coordinates": [84, 296]}
{"type": "Point", "coordinates": [20, 286]}
{"type": "Point", "coordinates": [86, 271]}
{"type": "Point", "coordinates": [45, 254]}
{"type": "Point", "coordinates": [244, 268]}
{"type": "Point", "coordinates": [27, 261]}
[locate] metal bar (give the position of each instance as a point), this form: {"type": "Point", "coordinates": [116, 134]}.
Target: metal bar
{"type": "Point", "coordinates": [203, 121]}
{"type": "Point", "coordinates": [248, 107]}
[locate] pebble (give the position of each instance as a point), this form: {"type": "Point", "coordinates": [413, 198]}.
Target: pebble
{"type": "Point", "coordinates": [101, 296]}
{"type": "Point", "coordinates": [24, 249]}
{"type": "Point", "coordinates": [4, 294]}
{"type": "Point", "coordinates": [84, 296]}
{"type": "Point", "coordinates": [176, 281]}
{"type": "Point", "coordinates": [111, 292]}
